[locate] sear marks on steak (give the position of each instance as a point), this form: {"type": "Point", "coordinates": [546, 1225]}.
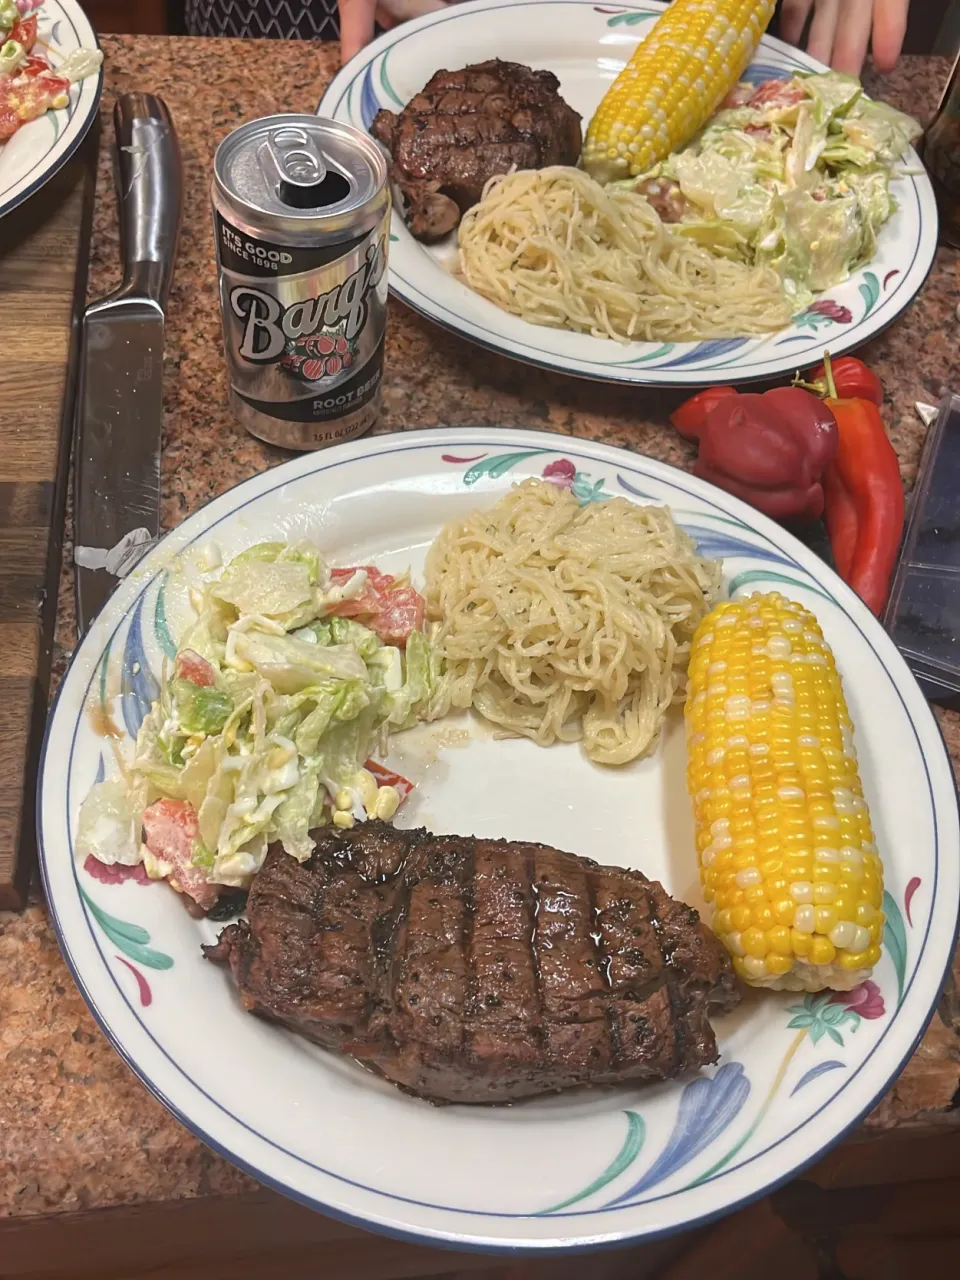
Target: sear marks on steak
{"type": "Point", "coordinates": [469, 970]}
{"type": "Point", "coordinates": [466, 127]}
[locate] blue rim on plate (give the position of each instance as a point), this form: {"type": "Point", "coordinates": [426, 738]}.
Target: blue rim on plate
{"type": "Point", "coordinates": [396, 65]}
{"type": "Point", "coordinates": [735, 521]}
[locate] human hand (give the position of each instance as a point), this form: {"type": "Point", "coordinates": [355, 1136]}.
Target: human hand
{"type": "Point", "coordinates": [842, 29]}
{"type": "Point", "coordinates": [357, 18]}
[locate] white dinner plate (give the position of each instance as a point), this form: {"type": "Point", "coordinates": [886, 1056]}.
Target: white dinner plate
{"type": "Point", "coordinates": [39, 149]}
{"type": "Point", "coordinates": [586, 1168]}
{"type": "Point", "coordinates": [586, 45]}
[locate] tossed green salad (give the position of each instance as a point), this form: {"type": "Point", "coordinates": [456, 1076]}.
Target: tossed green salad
{"type": "Point", "coordinates": [288, 682]}
{"type": "Point", "coordinates": [795, 173]}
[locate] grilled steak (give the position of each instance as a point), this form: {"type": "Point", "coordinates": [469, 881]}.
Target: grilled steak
{"type": "Point", "coordinates": [467, 126]}
{"type": "Point", "coordinates": [469, 970]}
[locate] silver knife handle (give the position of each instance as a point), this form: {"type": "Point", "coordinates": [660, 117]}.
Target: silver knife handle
{"type": "Point", "coordinates": [150, 195]}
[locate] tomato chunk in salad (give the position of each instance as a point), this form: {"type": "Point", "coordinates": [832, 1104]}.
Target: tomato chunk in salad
{"type": "Point", "coordinates": [390, 610]}
{"type": "Point", "coordinates": [170, 830]}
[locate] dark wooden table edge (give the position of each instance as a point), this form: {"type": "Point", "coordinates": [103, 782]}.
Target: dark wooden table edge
{"type": "Point", "coordinates": [80, 170]}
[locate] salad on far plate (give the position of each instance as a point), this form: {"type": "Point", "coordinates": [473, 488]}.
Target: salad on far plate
{"type": "Point", "coordinates": [793, 173]}
{"type": "Point", "coordinates": [29, 84]}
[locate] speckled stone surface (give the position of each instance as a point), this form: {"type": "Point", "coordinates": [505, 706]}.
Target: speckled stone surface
{"type": "Point", "coordinates": [77, 1130]}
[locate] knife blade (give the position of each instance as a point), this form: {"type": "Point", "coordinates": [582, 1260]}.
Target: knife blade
{"type": "Point", "coordinates": [120, 401]}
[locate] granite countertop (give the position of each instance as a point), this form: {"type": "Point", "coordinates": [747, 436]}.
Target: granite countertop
{"type": "Point", "coordinates": [77, 1130]}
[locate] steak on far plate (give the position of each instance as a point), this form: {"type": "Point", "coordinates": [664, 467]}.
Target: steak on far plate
{"type": "Point", "coordinates": [469, 970]}
{"type": "Point", "coordinates": [466, 127]}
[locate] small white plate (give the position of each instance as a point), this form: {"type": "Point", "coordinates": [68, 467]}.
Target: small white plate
{"type": "Point", "coordinates": [586, 45]}
{"type": "Point", "coordinates": [582, 1169]}
{"type": "Point", "coordinates": [42, 147]}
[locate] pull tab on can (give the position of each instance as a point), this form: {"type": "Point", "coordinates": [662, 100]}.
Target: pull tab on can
{"type": "Point", "coordinates": [299, 174]}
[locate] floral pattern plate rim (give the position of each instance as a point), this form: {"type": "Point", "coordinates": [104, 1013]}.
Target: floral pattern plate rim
{"type": "Point", "coordinates": [585, 1169]}
{"type": "Point", "coordinates": [40, 149]}
{"type": "Point", "coordinates": [585, 44]}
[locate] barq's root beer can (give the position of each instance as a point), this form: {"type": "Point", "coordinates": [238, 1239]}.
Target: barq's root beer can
{"type": "Point", "coordinates": [301, 212]}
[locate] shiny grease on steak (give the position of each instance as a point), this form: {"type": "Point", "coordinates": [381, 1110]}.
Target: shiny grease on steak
{"type": "Point", "coordinates": [469, 970]}
{"type": "Point", "coordinates": [466, 127]}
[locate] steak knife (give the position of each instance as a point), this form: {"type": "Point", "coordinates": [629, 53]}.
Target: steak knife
{"type": "Point", "coordinates": [120, 405]}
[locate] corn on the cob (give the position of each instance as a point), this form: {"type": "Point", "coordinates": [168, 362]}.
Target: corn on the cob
{"type": "Point", "coordinates": [673, 84]}
{"type": "Point", "coordinates": [788, 863]}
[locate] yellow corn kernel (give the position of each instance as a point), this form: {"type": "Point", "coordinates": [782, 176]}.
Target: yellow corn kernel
{"type": "Point", "coordinates": [343, 819]}
{"type": "Point", "coordinates": [367, 786]}
{"type": "Point", "coordinates": [822, 951]}
{"type": "Point", "coordinates": [387, 803]}
{"type": "Point", "coordinates": [754, 942]}
{"type": "Point", "coordinates": [675, 81]}
{"type": "Point", "coordinates": [779, 938]}
{"type": "Point", "coordinates": [783, 833]}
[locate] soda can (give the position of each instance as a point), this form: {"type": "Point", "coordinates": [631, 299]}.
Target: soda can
{"type": "Point", "coordinates": [301, 210]}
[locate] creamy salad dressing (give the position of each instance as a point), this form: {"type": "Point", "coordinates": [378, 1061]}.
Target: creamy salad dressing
{"type": "Point", "coordinates": [265, 721]}
{"type": "Point", "coordinates": [796, 174]}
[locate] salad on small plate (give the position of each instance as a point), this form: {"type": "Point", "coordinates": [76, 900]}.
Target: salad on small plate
{"type": "Point", "coordinates": [50, 81]}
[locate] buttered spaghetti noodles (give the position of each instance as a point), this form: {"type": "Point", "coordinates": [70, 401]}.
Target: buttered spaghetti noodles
{"type": "Point", "coordinates": [562, 622]}
{"type": "Point", "coordinates": [555, 248]}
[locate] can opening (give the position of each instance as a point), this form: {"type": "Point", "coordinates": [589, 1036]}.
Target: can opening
{"type": "Point", "coordinates": [331, 189]}
{"type": "Point", "coordinates": [301, 175]}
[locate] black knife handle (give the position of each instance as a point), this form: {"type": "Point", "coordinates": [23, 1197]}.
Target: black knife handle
{"type": "Point", "coordinates": [150, 194]}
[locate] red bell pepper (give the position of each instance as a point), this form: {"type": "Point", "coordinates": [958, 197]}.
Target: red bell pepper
{"type": "Point", "coordinates": [385, 777]}
{"type": "Point", "coordinates": [25, 32]}
{"type": "Point", "coordinates": [690, 418]}
{"type": "Point", "coordinates": [771, 450]}
{"type": "Point", "coordinates": [867, 468]}
{"type": "Point", "coordinates": [852, 380]}
{"type": "Point", "coordinates": [840, 517]}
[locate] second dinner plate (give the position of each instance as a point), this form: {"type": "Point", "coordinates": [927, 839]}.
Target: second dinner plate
{"type": "Point", "coordinates": [41, 148]}
{"type": "Point", "coordinates": [585, 1168]}
{"type": "Point", "coordinates": [586, 45]}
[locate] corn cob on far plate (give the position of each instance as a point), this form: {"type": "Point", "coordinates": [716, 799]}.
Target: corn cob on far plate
{"type": "Point", "coordinates": [788, 863]}
{"type": "Point", "coordinates": [675, 81]}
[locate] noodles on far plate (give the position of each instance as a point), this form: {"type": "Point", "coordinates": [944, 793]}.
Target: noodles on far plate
{"type": "Point", "coordinates": [563, 623]}
{"type": "Point", "coordinates": [555, 248]}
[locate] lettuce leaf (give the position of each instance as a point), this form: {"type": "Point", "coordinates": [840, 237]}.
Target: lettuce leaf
{"type": "Point", "coordinates": [110, 823]}
{"type": "Point", "coordinates": [201, 709]}
{"type": "Point", "coordinates": [344, 750]}
{"type": "Point", "coordinates": [348, 631]}
{"type": "Point", "coordinates": [422, 671]}
{"type": "Point", "coordinates": [281, 591]}
{"type": "Point", "coordinates": [294, 817]}
{"type": "Point", "coordinates": [208, 635]}
{"type": "Point", "coordinates": [814, 242]}
{"type": "Point", "coordinates": [291, 665]}
{"type": "Point", "coordinates": [152, 759]}
{"type": "Point", "coordinates": [833, 91]}
{"type": "Point", "coordinates": [880, 130]}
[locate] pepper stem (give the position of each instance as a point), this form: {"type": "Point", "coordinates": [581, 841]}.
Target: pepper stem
{"type": "Point", "coordinates": [828, 372]}
{"type": "Point", "coordinates": [818, 388]}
